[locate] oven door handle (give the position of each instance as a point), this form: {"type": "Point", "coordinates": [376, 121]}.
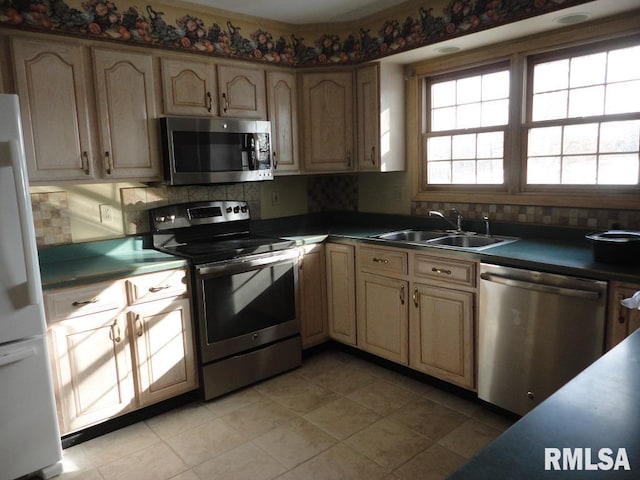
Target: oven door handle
{"type": "Point", "coordinates": [248, 262]}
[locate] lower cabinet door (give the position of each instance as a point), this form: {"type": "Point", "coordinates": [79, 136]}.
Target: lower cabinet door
{"type": "Point", "coordinates": [163, 349]}
{"type": "Point", "coordinates": [341, 292]}
{"type": "Point", "coordinates": [92, 369]}
{"type": "Point", "coordinates": [313, 295]}
{"type": "Point", "coordinates": [383, 317]}
{"type": "Point", "coordinates": [441, 334]}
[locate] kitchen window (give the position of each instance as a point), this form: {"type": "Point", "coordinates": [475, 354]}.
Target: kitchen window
{"type": "Point", "coordinates": [583, 117]}
{"type": "Point", "coordinates": [536, 121]}
{"type": "Point", "coordinates": [468, 117]}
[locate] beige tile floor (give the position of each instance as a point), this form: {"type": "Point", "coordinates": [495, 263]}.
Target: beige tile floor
{"type": "Point", "coordinates": [336, 417]}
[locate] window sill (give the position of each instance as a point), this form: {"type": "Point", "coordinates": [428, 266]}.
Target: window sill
{"type": "Point", "coordinates": [606, 200]}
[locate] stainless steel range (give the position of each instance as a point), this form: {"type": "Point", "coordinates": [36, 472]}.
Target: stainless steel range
{"type": "Point", "coordinates": [244, 292]}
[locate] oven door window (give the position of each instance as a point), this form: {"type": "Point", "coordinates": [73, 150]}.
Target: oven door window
{"type": "Point", "coordinates": [249, 301]}
{"type": "Point", "coordinates": [211, 152]}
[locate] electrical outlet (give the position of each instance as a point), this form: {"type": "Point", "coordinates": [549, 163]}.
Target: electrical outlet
{"type": "Point", "coordinates": [275, 199]}
{"type": "Point", "coordinates": [106, 214]}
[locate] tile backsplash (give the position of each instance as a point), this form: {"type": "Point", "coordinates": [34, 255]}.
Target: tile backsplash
{"type": "Point", "coordinates": [596, 218]}
{"type": "Point", "coordinates": [136, 201]}
{"type": "Point", "coordinates": [52, 213]}
{"type": "Point", "coordinates": [51, 218]}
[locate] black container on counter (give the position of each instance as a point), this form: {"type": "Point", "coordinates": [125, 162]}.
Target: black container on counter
{"type": "Point", "coordinates": [619, 247]}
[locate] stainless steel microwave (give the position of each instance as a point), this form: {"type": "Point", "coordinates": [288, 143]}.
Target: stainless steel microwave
{"type": "Point", "coordinates": [205, 150]}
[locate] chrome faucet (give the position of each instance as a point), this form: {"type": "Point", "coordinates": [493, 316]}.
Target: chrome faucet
{"type": "Point", "coordinates": [487, 232]}
{"type": "Point", "coordinates": [457, 225]}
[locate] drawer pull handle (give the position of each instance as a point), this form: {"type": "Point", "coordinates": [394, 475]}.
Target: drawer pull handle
{"type": "Point", "coordinates": [86, 302]}
{"type": "Point", "coordinates": [380, 260]}
{"type": "Point", "coordinates": [441, 271]}
{"type": "Point", "coordinates": [115, 332]}
{"type": "Point", "coordinates": [402, 295]}
{"type": "Point", "coordinates": [159, 288]}
{"type": "Point", "coordinates": [415, 296]}
{"type": "Point", "coordinates": [139, 326]}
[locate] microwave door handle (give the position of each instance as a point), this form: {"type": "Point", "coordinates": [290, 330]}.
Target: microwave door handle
{"type": "Point", "coordinates": [253, 160]}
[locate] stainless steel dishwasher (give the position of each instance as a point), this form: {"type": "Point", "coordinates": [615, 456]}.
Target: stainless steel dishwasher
{"type": "Point", "coordinates": [536, 332]}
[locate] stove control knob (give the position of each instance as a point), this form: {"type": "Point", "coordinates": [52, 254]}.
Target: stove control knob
{"type": "Point", "coordinates": [244, 209]}
{"type": "Point", "coordinates": [229, 209]}
{"type": "Point", "coordinates": [161, 219]}
{"type": "Point", "coordinates": [236, 209]}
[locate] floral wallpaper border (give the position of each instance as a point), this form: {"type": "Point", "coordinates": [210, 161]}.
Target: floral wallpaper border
{"type": "Point", "coordinates": [102, 19]}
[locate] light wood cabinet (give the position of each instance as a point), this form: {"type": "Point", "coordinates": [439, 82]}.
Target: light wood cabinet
{"type": "Point", "coordinates": [621, 321]}
{"type": "Point", "coordinates": [282, 106]}
{"type": "Point", "coordinates": [442, 333]}
{"type": "Point", "coordinates": [327, 121]}
{"type": "Point", "coordinates": [383, 307]}
{"type": "Point", "coordinates": [163, 349]}
{"type": "Point", "coordinates": [313, 295]}
{"type": "Point", "coordinates": [77, 129]}
{"type": "Point", "coordinates": [120, 345]}
{"type": "Point", "coordinates": [442, 318]}
{"type": "Point", "coordinates": [92, 369]}
{"type": "Point", "coordinates": [126, 104]}
{"type": "Point", "coordinates": [242, 92]}
{"type": "Point", "coordinates": [52, 84]}
{"type": "Point", "coordinates": [188, 87]}
{"type": "Point", "coordinates": [383, 313]}
{"type": "Point", "coordinates": [341, 292]}
{"type": "Point", "coordinates": [380, 110]}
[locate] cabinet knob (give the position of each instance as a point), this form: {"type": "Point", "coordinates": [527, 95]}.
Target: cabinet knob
{"type": "Point", "coordinates": [380, 260]}
{"type": "Point", "coordinates": [209, 102]}
{"type": "Point", "coordinates": [402, 295]}
{"type": "Point", "coordinates": [415, 296]}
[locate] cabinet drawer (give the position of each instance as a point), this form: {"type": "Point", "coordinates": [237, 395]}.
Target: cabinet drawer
{"type": "Point", "coordinates": [77, 301]}
{"type": "Point", "coordinates": [382, 260]}
{"type": "Point", "coordinates": [168, 283]}
{"type": "Point", "coordinates": [445, 270]}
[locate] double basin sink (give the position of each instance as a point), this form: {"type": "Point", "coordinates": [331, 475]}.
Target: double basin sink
{"type": "Point", "coordinates": [456, 240]}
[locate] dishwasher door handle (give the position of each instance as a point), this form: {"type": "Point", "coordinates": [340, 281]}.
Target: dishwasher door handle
{"type": "Point", "coordinates": [540, 287]}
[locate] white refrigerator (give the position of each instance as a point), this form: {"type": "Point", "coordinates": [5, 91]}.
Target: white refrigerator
{"type": "Point", "coordinates": [29, 435]}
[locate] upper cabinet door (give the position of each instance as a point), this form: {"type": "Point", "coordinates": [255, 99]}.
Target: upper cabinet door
{"type": "Point", "coordinates": [127, 114]}
{"type": "Point", "coordinates": [283, 114]}
{"type": "Point", "coordinates": [51, 83]}
{"type": "Point", "coordinates": [189, 88]}
{"type": "Point", "coordinates": [327, 108]}
{"type": "Point", "coordinates": [242, 92]}
{"type": "Point", "coordinates": [381, 117]}
{"type": "Point", "coordinates": [368, 111]}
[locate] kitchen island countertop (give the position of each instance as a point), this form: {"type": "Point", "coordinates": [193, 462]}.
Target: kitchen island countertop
{"type": "Point", "coordinates": [596, 410]}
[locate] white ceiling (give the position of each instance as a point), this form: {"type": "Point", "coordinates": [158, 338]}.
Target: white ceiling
{"type": "Point", "coordinates": [300, 12]}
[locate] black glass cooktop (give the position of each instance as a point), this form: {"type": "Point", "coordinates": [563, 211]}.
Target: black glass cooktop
{"type": "Point", "coordinates": [206, 251]}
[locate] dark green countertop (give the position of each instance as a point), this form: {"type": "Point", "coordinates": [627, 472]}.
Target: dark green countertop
{"type": "Point", "coordinates": [550, 249]}
{"type": "Point", "coordinates": [76, 264]}
{"type": "Point", "coordinates": [561, 250]}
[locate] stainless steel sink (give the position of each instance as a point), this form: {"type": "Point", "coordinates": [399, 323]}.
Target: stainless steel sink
{"type": "Point", "coordinates": [411, 236]}
{"type": "Point", "coordinates": [467, 241]}
{"type": "Point", "coordinates": [461, 241]}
